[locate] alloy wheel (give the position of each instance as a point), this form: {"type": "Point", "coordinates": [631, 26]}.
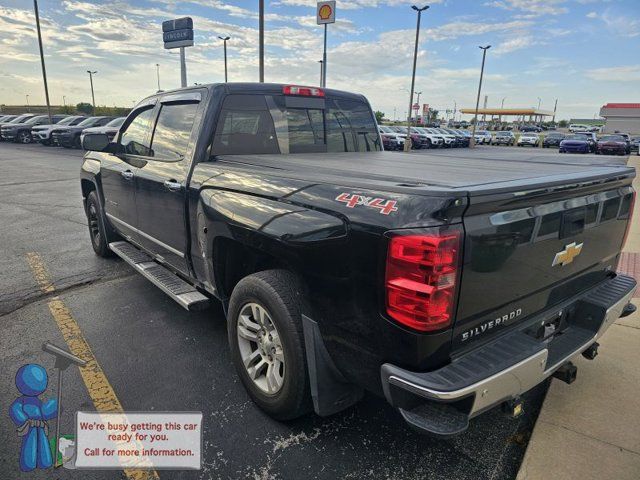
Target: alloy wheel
{"type": "Point", "coordinates": [260, 348]}
{"type": "Point", "coordinates": [94, 228]}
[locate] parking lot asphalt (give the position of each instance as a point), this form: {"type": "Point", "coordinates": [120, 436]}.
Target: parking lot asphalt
{"type": "Point", "coordinates": [156, 356]}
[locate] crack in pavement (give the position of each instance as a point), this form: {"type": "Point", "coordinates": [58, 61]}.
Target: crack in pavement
{"type": "Point", "coordinates": [15, 184]}
{"type": "Point", "coordinates": [39, 295]}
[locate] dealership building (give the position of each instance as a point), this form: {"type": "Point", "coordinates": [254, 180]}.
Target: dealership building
{"type": "Point", "coordinates": [621, 117]}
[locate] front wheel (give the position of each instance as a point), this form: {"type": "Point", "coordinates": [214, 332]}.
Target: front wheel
{"type": "Point", "coordinates": [267, 344]}
{"type": "Point", "coordinates": [24, 137]}
{"type": "Point", "coordinates": [97, 230]}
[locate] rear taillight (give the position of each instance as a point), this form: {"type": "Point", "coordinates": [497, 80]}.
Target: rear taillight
{"type": "Point", "coordinates": [422, 277]}
{"type": "Point", "coordinates": [626, 232]}
{"type": "Point", "coordinates": [302, 91]}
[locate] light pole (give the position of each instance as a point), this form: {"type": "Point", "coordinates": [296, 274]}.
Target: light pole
{"type": "Point", "coordinates": [502, 103]}
{"type": "Point", "coordinates": [64, 100]}
{"type": "Point", "coordinates": [261, 40]}
{"type": "Point", "coordinates": [321, 62]}
{"type": "Point", "coordinates": [407, 143]}
{"type": "Point", "coordinates": [224, 40]}
{"type": "Point", "coordinates": [44, 70]}
{"type": "Point", "coordinates": [539, 102]}
{"type": "Point", "coordinates": [158, 74]}
{"type": "Point", "coordinates": [28, 106]}
{"type": "Point", "coordinates": [472, 140]}
{"type": "Point", "coordinates": [93, 97]}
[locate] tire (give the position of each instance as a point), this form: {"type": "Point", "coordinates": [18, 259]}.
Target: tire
{"type": "Point", "coordinates": [279, 294]}
{"type": "Point", "coordinates": [76, 142]}
{"type": "Point", "coordinates": [97, 230]}
{"type": "Point", "coordinates": [23, 137]}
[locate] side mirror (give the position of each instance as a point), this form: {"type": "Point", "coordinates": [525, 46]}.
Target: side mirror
{"type": "Point", "coordinates": [96, 142]}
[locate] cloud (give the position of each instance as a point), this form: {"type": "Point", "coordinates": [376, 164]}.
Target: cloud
{"type": "Point", "coordinates": [620, 24]}
{"type": "Point", "coordinates": [453, 30]}
{"type": "Point", "coordinates": [533, 7]}
{"type": "Point", "coordinates": [592, 15]}
{"type": "Point", "coordinates": [350, 4]}
{"type": "Point", "coordinates": [513, 44]}
{"type": "Point", "coordinates": [626, 73]}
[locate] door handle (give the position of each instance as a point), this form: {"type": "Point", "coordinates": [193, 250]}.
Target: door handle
{"type": "Point", "coordinates": [127, 174]}
{"type": "Point", "coordinates": [172, 185]}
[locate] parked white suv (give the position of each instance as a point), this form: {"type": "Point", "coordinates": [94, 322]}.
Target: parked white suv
{"type": "Point", "coordinates": [578, 127]}
{"type": "Point", "coordinates": [483, 137]}
{"type": "Point", "coordinates": [528, 138]}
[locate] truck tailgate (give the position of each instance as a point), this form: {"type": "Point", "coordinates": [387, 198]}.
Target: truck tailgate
{"type": "Point", "coordinates": [526, 251]}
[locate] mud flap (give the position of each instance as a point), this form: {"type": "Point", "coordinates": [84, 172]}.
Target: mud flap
{"type": "Point", "coordinates": [330, 391]}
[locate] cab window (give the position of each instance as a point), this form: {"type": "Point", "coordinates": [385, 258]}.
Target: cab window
{"type": "Point", "coordinates": [173, 130]}
{"type": "Point", "coordinates": [135, 137]}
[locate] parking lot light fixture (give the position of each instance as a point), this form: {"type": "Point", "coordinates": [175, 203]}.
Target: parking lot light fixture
{"type": "Point", "coordinates": [472, 140]}
{"type": "Point", "coordinates": [93, 97]}
{"type": "Point", "coordinates": [224, 40]}
{"type": "Point", "coordinates": [407, 142]}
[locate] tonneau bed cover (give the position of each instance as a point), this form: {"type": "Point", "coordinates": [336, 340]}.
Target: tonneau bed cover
{"type": "Point", "coordinates": [474, 176]}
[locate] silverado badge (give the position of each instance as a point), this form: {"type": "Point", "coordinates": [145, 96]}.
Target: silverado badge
{"type": "Point", "coordinates": [567, 255]}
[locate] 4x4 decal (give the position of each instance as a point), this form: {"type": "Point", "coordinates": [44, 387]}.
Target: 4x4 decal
{"type": "Point", "coordinates": [385, 206]}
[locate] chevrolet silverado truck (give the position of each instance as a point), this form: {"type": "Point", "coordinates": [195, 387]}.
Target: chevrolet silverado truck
{"type": "Point", "coordinates": [448, 287]}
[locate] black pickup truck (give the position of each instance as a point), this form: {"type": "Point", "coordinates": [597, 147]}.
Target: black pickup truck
{"type": "Point", "coordinates": [449, 285]}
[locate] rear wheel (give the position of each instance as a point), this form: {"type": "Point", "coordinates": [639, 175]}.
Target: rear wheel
{"type": "Point", "coordinates": [267, 343]}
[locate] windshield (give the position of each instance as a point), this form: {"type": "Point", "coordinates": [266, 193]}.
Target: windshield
{"type": "Point", "coordinates": [530, 135]}
{"type": "Point", "coordinates": [67, 121]}
{"type": "Point", "coordinates": [33, 120]}
{"type": "Point", "coordinates": [117, 122]}
{"type": "Point", "coordinates": [272, 124]}
{"type": "Point", "coordinates": [555, 135]}
{"type": "Point", "coordinates": [582, 138]}
{"type": "Point", "coordinates": [88, 122]}
{"type": "Point", "coordinates": [20, 119]}
{"type": "Point", "coordinates": [482, 132]}
{"type": "Point", "coordinates": [612, 138]}
{"type": "Point", "coordinates": [503, 134]}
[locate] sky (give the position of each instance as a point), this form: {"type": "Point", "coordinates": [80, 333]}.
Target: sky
{"type": "Point", "coordinates": [584, 53]}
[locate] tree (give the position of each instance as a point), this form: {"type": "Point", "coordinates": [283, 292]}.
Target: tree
{"type": "Point", "coordinates": [563, 123]}
{"type": "Point", "coordinates": [84, 107]}
{"type": "Point", "coordinates": [379, 116]}
{"type": "Point", "coordinates": [67, 109]}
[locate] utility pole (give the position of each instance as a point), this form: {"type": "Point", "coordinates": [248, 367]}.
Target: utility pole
{"type": "Point", "coordinates": [555, 108]}
{"type": "Point", "coordinates": [93, 97]}
{"type": "Point", "coordinates": [261, 41]}
{"type": "Point", "coordinates": [224, 40]}
{"type": "Point", "coordinates": [472, 140]}
{"type": "Point", "coordinates": [407, 142]}
{"type": "Point", "coordinates": [158, 74]}
{"type": "Point", "coordinates": [44, 70]}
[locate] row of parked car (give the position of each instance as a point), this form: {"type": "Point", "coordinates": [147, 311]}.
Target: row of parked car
{"type": "Point", "coordinates": [65, 131]}
{"type": "Point", "coordinates": [582, 142]}
{"type": "Point", "coordinates": [393, 137]}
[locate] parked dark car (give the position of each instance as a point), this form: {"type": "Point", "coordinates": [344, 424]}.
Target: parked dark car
{"type": "Point", "coordinates": [552, 139]}
{"type": "Point", "coordinates": [504, 138]}
{"type": "Point", "coordinates": [592, 139]}
{"type": "Point", "coordinates": [69, 137]}
{"type": "Point", "coordinates": [342, 268]}
{"type": "Point", "coordinates": [635, 144]}
{"type": "Point", "coordinates": [611, 145]}
{"type": "Point", "coordinates": [110, 129]}
{"type": "Point", "coordinates": [530, 128]}
{"type": "Point", "coordinates": [417, 141]}
{"type": "Point", "coordinates": [21, 132]}
{"type": "Point", "coordinates": [42, 133]}
{"type": "Point", "coordinates": [17, 120]}
{"type": "Point", "coordinates": [575, 143]}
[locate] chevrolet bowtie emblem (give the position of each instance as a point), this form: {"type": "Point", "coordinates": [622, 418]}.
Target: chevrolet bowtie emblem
{"type": "Point", "coordinates": [567, 255]}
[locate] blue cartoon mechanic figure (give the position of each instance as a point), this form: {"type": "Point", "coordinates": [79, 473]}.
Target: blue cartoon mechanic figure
{"type": "Point", "coordinates": [30, 414]}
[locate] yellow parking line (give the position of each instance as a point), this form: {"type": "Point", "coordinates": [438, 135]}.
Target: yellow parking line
{"type": "Point", "coordinates": [100, 390]}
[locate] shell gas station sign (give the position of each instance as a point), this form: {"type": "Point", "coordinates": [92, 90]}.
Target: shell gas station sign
{"type": "Point", "coordinates": [326, 12]}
